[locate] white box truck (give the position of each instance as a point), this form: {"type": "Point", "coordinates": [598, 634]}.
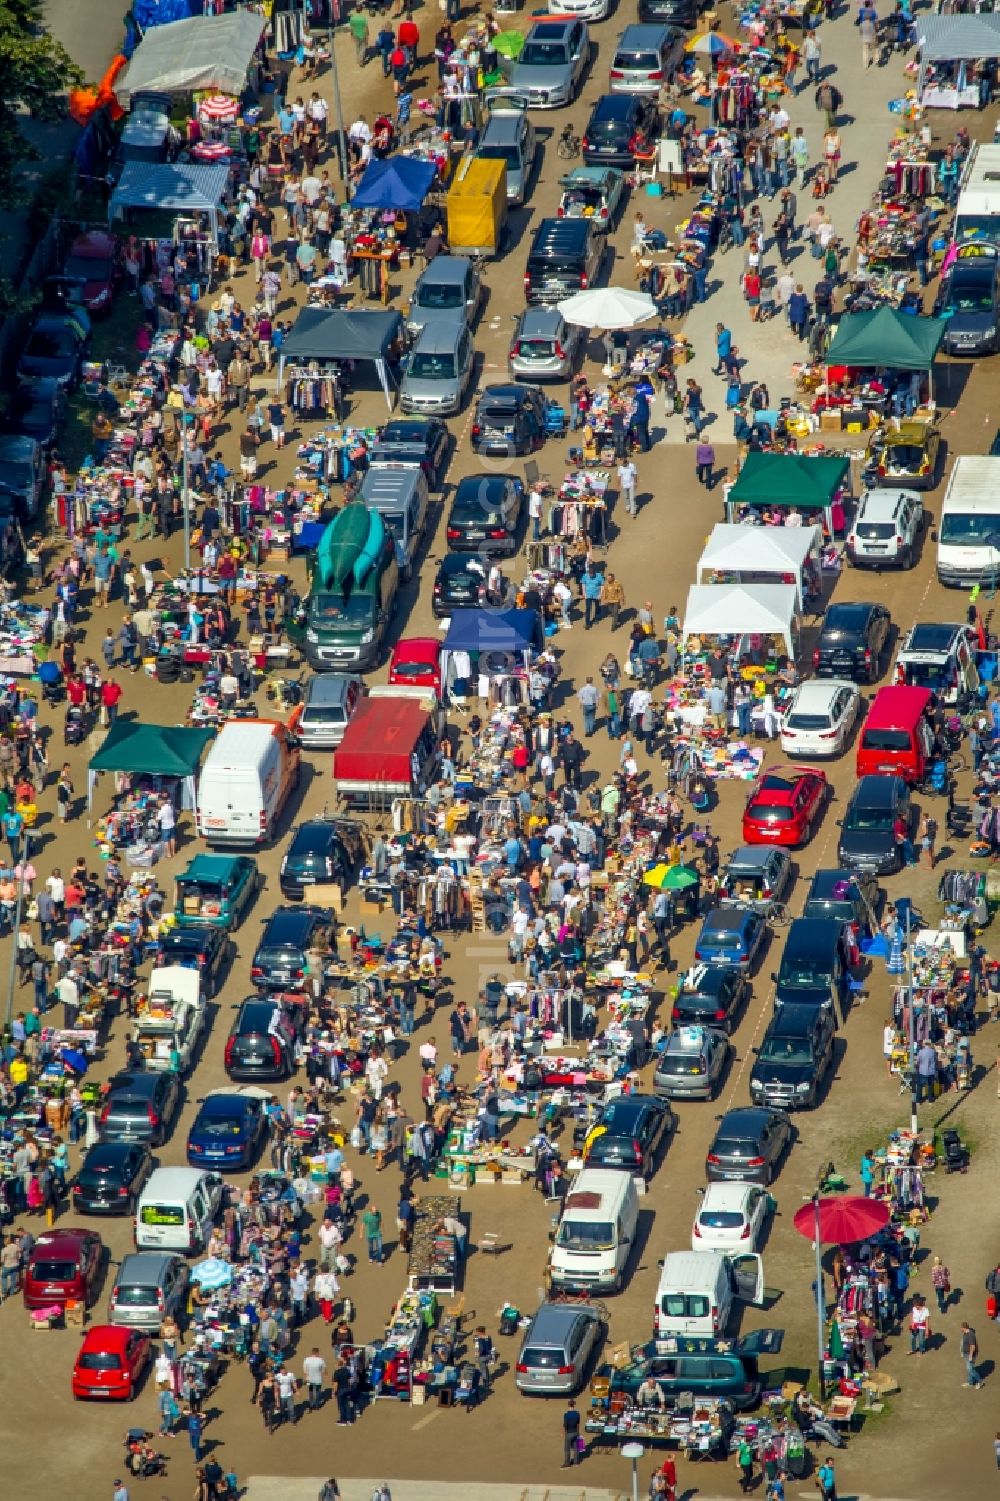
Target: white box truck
{"type": "Point", "coordinates": [968, 545]}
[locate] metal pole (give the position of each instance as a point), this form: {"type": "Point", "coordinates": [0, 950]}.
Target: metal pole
{"type": "Point", "coordinates": [914, 1101]}
{"type": "Point", "coordinates": [185, 493]}
{"type": "Point", "coordinates": [25, 841]}
{"type": "Point", "coordinates": [338, 107]}
{"type": "Point", "coordinates": [820, 1300]}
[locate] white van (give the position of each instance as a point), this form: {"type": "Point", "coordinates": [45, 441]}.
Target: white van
{"type": "Point", "coordinates": [968, 538]}
{"type": "Point", "coordinates": [977, 213]}
{"type": "Point", "coordinates": [596, 1232]}
{"type": "Point", "coordinates": [245, 782]}
{"type": "Point", "coordinates": [171, 1016]}
{"type": "Point", "coordinates": [697, 1289]}
{"type": "Point", "coordinates": [177, 1209]}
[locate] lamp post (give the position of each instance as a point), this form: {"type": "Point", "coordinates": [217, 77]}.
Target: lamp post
{"type": "Point", "coordinates": [914, 1093]}
{"type": "Point", "coordinates": [331, 43]}
{"type": "Point", "coordinates": [185, 491]}
{"type": "Point", "coordinates": [634, 1452]}
{"type": "Point", "coordinates": [18, 909]}
{"type": "Point", "coordinates": [820, 1299]}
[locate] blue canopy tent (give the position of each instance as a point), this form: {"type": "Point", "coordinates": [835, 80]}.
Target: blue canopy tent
{"type": "Point", "coordinates": [490, 642]}
{"type": "Point", "coordinates": [399, 182]}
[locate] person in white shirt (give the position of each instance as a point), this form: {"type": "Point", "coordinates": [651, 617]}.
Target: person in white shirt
{"type": "Point", "coordinates": [563, 597]}
{"type": "Point", "coordinates": [165, 818]}
{"type": "Point", "coordinates": [314, 1374]}
{"type": "Point", "coordinates": [428, 1053]}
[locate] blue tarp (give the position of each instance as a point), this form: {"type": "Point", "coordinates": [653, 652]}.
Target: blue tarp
{"type": "Point", "coordinates": [149, 13]}
{"type": "Point", "coordinates": [494, 630]}
{"type": "Point", "coordinates": [399, 182]}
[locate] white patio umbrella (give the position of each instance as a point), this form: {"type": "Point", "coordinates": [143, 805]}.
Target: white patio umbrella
{"type": "Point", "coordinates": [608, 308]}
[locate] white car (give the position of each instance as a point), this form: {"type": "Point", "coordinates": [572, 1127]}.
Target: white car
{"type": "Point", "coordinates": [820, 717]}
{"type": "Point", "coordinates": [731, 1217]}
{"type": "Point", "coordinates": [586, 10]}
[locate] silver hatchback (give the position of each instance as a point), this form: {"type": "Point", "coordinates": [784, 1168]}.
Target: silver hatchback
{"type": "Point", "coordinates": [544, 346]}
{"type": "Point", "coordinates": [447, 289]}
{"type": "Point", "coordinates": [691, 1064]}
{"type": "Point", "coordinates": [438, 369]}
{"type": "Point", "coordinates": [645, 59]}
{"type": "Point", "coordinates": [556, 1350]}
{"type": "Point", "coordinates": [149, 1285]}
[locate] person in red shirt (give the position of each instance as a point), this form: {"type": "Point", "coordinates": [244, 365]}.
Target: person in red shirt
{"type": "Point", "coordinates": [111, 693]}
{"type": "Point", "coordinates": [409, 38]}
{"type": "Point", "coordinates": [76, 691]}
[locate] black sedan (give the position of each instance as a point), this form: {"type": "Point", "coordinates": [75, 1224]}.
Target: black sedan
{"type": "Point", "coordinates": [630, 1134]}
{"type": "Point", "coordinates": [110, 1178]}
{"type": "Point", "coordinates": [710, 995]}
{"type": "Point", "coordinates": [621, 127]}
{"type": "Point", "coordinates": [853, 641]}
{"type": "Point", "coordinates": [509, 420]}
{"type": "Point", "coordinates": [205, 949]}
{"type": "Point", "coordinates": [36, 411]}
{"type": "Point", "coordinates": [54, 350]}
{"type": "Point", "coordinates": [411, 441]}
{"type": "Point", "coordinates": [749, 1144]}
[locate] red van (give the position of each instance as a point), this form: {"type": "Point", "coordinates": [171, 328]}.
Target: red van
{"type": "Point", "coordinates": [896, 738]}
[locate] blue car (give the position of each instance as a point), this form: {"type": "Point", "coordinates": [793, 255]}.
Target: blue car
{"type": "Point", "coordinates": [730, 935]}
{"type": "Point", "coordinates": [228, 1130]}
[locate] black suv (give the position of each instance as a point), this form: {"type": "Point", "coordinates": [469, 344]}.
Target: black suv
{"type": "Point", "coordinates": [280, 960]}
{"type": "Point", "coordinates": [676, 12]}
{"type": "Point", "coordinates": [321, 850]}
{"type": "Point", "coordinates": [485, 514]}
{"type": "Point", "coordinates": [620, 126]}
{"type": "Point", "coordinates": [710, 995]}
{"type": "Point", "coordinates": [205, 949]}
{"type": "Point", "coordinates": [460, 584]}
{"type": "Point", "coordinates": [867, 841]}
{"type": "Point", "coordinates": [565, 257]}
{"type": "Point", "coordinates": [140, 1106]}
{"type": "Point", "coordinates": [635, 1127]}
{"type": "Point", "coordinates": [846, 896]}
{"type": "Point", "coordinates": [509, 420]}
{"type": "Point", "coordinates": [261, 1044]}
{"type": "Point", "coordinates": [793, 1059]}
{"type": "Point", "coordinates": [853, 641]}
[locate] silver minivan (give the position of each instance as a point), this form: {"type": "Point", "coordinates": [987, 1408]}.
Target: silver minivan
{"type": "Point", "coordinates": [149, 1285]}
{"type": "Point", "coordinates": [447, 289]}
{"type": "Point", "coordinates": [646, 58]}
{"type": "Point", "coordinates": [557, 1348]}
{"type": "Point", "coordinates": [438, 369]}
{"type": "Point", "coordinates": [509, 137]}
{"type": "Point", "coordinates": [401, 498]}
{"type": "Point", "coordinates": [331, 698]}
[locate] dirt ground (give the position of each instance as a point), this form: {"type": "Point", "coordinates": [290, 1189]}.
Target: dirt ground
{"type": "Point", "coordinates": [934, 1438]}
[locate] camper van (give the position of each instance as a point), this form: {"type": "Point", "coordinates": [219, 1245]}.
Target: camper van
{"type": "Point", "coordinates": [968, 546]}
{"type": "Point", "coordinates": [246, 781]}
{"type": "Point", "coordinates": [596, 1232]}
{"type": "Point", "coordinates": [977, 215]}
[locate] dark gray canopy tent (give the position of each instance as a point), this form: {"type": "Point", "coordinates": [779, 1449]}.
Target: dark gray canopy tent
{"type": "Point", "coordinates": [323, 334]}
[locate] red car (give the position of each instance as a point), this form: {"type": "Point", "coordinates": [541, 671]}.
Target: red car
{"type": "Point", "coordinates": [110, 1363]}
{"type": "Point", "coordinates": [416, 663]}
{"type": "Point", "coordinates": [784, 805]}
{"type": "Point", "coordinates": [93, 260]}
{"type": "Point", "coordinates": [64, 1266]}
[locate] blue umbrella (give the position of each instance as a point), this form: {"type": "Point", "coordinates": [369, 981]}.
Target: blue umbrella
{"type": "Point", "coordinates": [212, 1274]}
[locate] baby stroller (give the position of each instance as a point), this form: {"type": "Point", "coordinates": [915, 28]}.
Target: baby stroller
{"type": "Point", "coordinates": [75, 725]}
{"type": "Point", "coordinates": [51, 678]}
{"type": "Point", "coordinates": [141, 1459]}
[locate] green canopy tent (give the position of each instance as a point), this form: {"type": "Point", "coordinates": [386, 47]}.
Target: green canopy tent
{"type": "Point", "coordinates": [807, 483]}
{"type": "Point", "coordinates": [886, 338]}
{"type": "Point", "coordinates": [158, 750]}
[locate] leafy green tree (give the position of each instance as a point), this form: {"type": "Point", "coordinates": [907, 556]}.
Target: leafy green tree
{"type": "Point", "coordinates": [35, 73]}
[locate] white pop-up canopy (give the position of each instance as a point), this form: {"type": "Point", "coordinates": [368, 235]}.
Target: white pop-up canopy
{"type": "Point", "coordinates": [741, 610]}
{"type": "Point", "coordinates": [202, 52]}
{"type": "Point", "coordinates": [759, 554]}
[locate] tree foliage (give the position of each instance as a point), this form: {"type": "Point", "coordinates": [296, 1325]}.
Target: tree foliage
{"type": "Point", "coordinates": [35, 73]}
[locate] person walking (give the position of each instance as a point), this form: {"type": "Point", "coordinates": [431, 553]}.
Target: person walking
{"type": "Point", "coordinates": [704, 463]}
{"type": "Point", "coordinates": [371, 1224]}
{"type": "Point", "coordinates": [829, 99]}
{"type": "Point", "coordinates": [723, 344]}
{"type": "Point", "coordinates": [799, 153]}
{"type": "Point", "coordinates": [342, 1392]}
{"type": "Point", "coordinates": [826, 1480]}
{"type": "Point", "coordinates": [798, 312]}
{"type": "Point", "coordinates": [627, 476]}
{"type": "Point", "coordinates": [571, 1435]}
{"type": "Point", "coordinates": [744, 1463]}
{"type": "Point", "coordinates": [941, 1283]}
{"type": "Point", "coordinates": [613, 598]}
{"type": "Point", "coordinates": [867, 23]}
{"type": "Point", "coordinates": [357, 23]}
{"type": "Point", "coordinates": [196, 1430]}
{"type": "Point", "coordinates": [314, 1374]}
{"type": "Point", "coordinates": [588, 698]}
{"type": "Point", "coordinates": [920, 1325]}
{"type": "Point", "coordinates": [969, 1347]}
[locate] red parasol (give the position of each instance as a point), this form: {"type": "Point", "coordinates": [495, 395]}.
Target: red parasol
{"type": "Point", "coordinates": [842, 1221]}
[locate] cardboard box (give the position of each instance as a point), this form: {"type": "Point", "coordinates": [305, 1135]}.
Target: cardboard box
{"type": "Point", "coordinates": [620, 1355]}
{"type": "Point", "coordinates": [830, 422]}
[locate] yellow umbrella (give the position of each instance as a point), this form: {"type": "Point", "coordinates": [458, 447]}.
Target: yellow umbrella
{"type": "Point", "coordinates": [656, 876]}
